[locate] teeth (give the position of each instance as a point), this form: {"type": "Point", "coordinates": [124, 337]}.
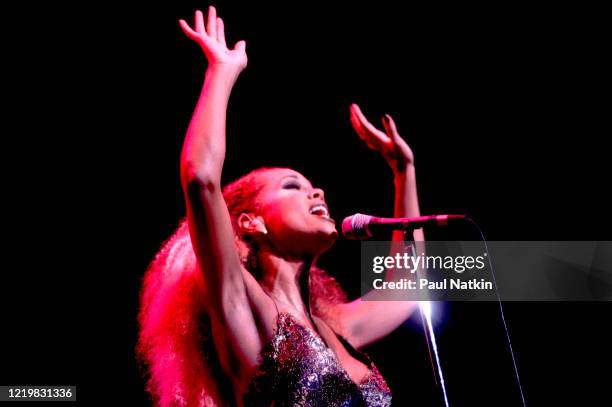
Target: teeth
{"type": "Point", "coordinates": [319, 210]}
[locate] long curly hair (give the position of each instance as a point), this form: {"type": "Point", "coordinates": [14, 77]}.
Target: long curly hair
{"type": "Point", "coordinates": [175, 344]}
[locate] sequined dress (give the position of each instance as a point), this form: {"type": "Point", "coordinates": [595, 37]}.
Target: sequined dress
{"type": "Point", "coordinates": [298, 369]}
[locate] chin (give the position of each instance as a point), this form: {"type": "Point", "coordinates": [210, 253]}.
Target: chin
{"type": "Point", "coordinates": [328, 238]}
{"type": "Point", "coordinates": [312, 239]}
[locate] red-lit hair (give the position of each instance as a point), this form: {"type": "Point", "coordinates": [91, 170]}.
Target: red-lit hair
{"type": "Point", "coordinates": [174, 341]}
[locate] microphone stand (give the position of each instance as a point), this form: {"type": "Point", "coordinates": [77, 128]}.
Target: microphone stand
{"type": "Point", "coordinates": [425, 312]}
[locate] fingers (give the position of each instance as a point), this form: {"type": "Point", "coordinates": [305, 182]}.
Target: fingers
{"type": "Point", "coordinates": [371, 141]}
{"type": "Point", "coordinates": [390, 128]}
{"type": "Point", "coordinates": [187, 30]}
{"type": "Point", "coordinates": [240, 46]}
{"type": "Point", "coordinates": [373, 137]}
{"type": "Point", "coordinates": [199, 22]}
{"type": "Point", "coordinates": [361, 132]}
{"type": "Point", "coordinates": [214, 27]}
{"type": "Point", "coordinates": [212, 22]}
{"type": "Point", "coordinates": [357, 126]}
{"type": "Point", "coordinates": [220, 31]}
{"type": "Point", "coordinates": [356, 122]}
{"type": "Point", "coordinates": [365, 124]}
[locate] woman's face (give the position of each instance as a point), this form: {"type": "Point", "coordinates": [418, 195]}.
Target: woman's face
{"type": "Point", "coordinates": [295, 214]}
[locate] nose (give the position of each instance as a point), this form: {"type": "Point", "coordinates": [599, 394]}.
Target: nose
{"type": "Point", "coordinates": [317, 193]}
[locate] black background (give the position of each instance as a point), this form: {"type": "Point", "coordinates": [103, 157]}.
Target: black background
{"type": "Point", "coordinates": [503, 107]}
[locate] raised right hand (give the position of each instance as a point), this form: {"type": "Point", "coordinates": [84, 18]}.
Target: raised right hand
{"type": "Point", "coordinates": [211, 38]}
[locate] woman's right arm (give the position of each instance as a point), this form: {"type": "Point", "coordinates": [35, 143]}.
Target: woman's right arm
{"type": "Point", "coordinates": [202, 159]}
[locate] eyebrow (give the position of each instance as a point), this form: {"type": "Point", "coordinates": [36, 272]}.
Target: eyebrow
{"type": "Point", "coordinates": [292, 176]}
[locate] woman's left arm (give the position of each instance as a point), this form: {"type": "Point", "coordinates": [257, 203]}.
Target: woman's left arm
{"type": "Point", "coordinates": [373, 316]}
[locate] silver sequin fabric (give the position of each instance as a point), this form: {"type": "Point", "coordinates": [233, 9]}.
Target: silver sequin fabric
{"type": "Point", "coordinates": [298, 369]}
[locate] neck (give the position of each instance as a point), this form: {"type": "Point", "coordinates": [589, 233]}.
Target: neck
{"type": "Point", "coordinates": [286, 279]}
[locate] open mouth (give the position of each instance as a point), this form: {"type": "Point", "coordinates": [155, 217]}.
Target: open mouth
{"type": "Point", "coordinates": [321, 211]}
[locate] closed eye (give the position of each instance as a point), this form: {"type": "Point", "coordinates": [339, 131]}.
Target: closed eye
{"type": "Point", "coordinates": [291, 185]}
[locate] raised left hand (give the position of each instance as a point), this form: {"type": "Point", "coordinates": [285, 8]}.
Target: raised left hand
{"type": "Point", "coordinates": [388, 143]}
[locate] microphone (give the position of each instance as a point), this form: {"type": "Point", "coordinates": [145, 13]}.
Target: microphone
{"type": "Point", "coordinates": [361, 227]}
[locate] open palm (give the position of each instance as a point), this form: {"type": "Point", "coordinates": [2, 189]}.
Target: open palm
{"type": "Point", "coordinates": [211, 38]}
{"type": "Point", "coordinates": [388, 143]}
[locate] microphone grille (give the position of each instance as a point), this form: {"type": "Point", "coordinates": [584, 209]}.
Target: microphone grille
{"type": "Point", "coordinates": [356, 226]}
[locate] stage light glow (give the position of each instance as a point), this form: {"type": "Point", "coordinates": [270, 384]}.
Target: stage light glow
{"type": "Point", "coordinates": [426, 308]}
